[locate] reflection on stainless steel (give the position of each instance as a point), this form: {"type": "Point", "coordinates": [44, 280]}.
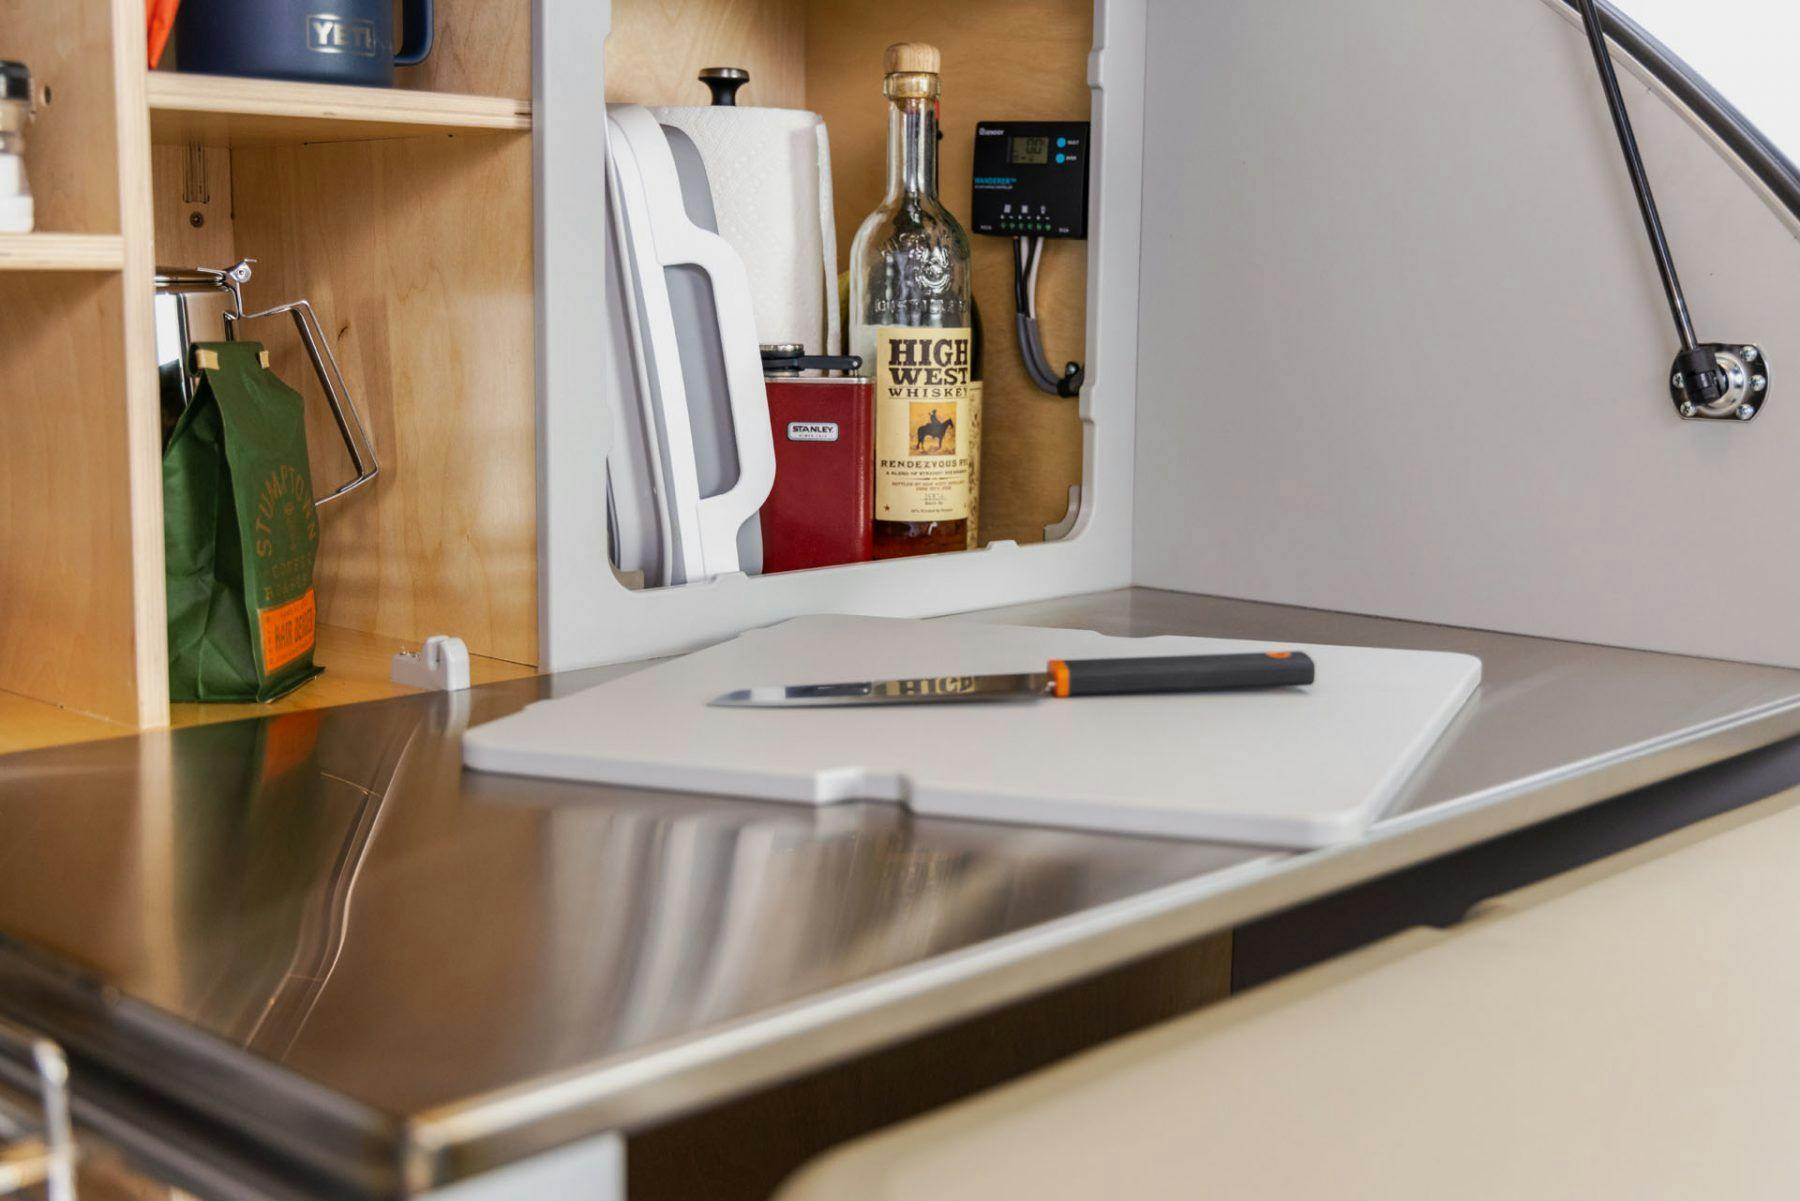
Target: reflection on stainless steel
{"type": "Point", "coordinates": [504, 964]}
{"type": "Point", "coordinates": [321, 946]}
{"type": "Point", "coordinates": [582, 923]}
{"type": "Point", "coordinates": [321, 939]}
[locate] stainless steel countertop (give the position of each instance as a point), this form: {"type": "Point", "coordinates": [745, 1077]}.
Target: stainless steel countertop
{"type": "Point", "coordinates": [319, 932]}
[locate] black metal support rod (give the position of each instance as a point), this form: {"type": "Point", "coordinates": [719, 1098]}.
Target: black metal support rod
{"type": "Point", "coordinates": [1640, 181]}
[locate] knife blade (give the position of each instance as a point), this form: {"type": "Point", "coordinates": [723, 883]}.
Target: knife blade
{"type": "Point", "coordinates": [1063, 678]}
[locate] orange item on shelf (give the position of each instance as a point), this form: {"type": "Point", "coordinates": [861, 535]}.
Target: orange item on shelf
{"type": "Point", "coordinates": [162, 19]}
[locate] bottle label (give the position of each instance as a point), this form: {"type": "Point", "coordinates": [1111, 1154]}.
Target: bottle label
{"type": "Point", "coordinates": [923, 424]}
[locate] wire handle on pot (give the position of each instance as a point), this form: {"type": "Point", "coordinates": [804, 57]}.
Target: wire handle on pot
{"type": "Point", "coordinates": [231, 280]}
{"type": "Point", "coordinates": [325, 366]}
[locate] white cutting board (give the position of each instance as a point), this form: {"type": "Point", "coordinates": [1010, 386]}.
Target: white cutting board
{"type": "Point", "coordinates": [1295, 767]}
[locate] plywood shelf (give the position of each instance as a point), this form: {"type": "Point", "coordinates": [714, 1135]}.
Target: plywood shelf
{"type": "Point", "coordinates": [356, 669]}
{"type": "Point", "coordinates": [61, 252]}
{"type": "Point", "coordinates": [218, 110]}
{"type": "Point", "coordinates": [26, 724]}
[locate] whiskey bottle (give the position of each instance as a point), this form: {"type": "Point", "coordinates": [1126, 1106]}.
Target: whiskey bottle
{"type": "Point", "coordinates": [910, 321]}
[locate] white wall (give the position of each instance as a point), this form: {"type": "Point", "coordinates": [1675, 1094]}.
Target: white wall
{"type": "Point", "coordinates": [1403, 347]}
{"type": "Point", "coordinates": [1748, 49]}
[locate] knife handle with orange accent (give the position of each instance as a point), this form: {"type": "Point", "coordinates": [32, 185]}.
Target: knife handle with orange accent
{"type": "Point", "coordinates": [1180, 673]}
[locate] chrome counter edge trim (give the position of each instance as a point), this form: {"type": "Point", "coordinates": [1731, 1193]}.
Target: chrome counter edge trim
{"type": "Point", "coordinates": [456, 1141]}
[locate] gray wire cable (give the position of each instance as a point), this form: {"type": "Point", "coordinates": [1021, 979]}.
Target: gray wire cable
{"type": "Point", "coordinates": [1031, 349]}
{"type": "Point", "coordinates": [1028, 253]}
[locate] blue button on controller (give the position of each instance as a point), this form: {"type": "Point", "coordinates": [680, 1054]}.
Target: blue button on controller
{"type": "Point", "coordinates": [1061, 143]}
{"type": "Point", "coordinates": [1059, 158]}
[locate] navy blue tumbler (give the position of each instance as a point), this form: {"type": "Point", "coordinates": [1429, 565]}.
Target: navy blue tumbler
{"type": "Point", "coordinates": [316, 41]}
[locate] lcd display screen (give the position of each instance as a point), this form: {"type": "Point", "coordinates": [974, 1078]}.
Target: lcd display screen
{"type": "Point", "coordinates": [1030, 150]}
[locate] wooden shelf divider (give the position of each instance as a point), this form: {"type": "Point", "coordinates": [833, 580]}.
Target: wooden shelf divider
{"type": "Point", "coordinates": [61, 252]}
{"type": "Point", "coordinates": [219, 110]}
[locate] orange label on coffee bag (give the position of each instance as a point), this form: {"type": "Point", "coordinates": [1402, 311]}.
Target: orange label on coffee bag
{"type": "Point", "coordinates": [287, 631]}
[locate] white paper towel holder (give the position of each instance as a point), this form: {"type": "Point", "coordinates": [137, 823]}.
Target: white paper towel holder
{"type": "Point", "coordinates": [820, 332]}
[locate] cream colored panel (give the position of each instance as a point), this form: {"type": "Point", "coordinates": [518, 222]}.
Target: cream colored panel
{"type": "Point", "coordinates": [1625, 1032]}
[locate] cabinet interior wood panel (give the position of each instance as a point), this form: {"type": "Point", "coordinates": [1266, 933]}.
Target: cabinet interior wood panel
{"type": "Point", "coordinates": [417, 254]}
{"type": "Point", "coordinates": [657, 47]}
{"type": "Point", "coordinates": [482, 47]}
{"type": "Point", "coordinates": [192, 186]}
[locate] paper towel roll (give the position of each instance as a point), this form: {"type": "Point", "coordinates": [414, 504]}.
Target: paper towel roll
{"type": "Point", "coordinates": [770, 172]}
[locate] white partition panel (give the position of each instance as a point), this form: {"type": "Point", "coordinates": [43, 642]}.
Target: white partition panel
{"type": "Point", "coordinates": [1403, 348]}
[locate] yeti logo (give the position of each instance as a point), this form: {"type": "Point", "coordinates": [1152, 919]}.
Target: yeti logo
{"type": "Point", "coordinates": [328, 33]}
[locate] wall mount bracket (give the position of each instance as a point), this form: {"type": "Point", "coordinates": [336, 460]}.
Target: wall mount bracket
{"type": "Point", "coordinates": [1709, 381]}
{"type": "Point", "coordinates": [1744, 372]}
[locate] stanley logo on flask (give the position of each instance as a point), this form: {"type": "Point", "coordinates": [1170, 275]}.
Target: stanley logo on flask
{"type": "Point", "coordinates": [328, 33]}
{"type": "Point", "coordinates": [917, 364]}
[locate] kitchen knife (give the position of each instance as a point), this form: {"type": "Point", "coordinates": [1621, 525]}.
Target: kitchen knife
{"type": "Point", "coordinates": [1063, 678]}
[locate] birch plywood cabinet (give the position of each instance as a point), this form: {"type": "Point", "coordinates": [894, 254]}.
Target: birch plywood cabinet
{"type": "Point", "coordinates": [404, 215]}
{"type": "Point", "coordinates": [80, 512]}
{"type": "Point", "coordinates": [409, 218]}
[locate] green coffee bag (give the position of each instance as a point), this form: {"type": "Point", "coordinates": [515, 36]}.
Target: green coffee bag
{"type": "Point", "coordinates": [239, 533]}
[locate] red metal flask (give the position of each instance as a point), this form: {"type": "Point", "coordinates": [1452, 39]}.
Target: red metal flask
{"type": "Point", "coordinates": [820, 513]}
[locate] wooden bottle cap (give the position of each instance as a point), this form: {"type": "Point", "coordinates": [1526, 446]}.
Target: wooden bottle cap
{"type": "Point", "coordinates": [912, 58]}
{"type": "Point", "coordinates": [912, 71]}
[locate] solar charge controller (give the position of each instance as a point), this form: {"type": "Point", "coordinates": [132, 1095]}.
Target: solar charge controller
{"type": "Point", "coordinates": [1031, 179]}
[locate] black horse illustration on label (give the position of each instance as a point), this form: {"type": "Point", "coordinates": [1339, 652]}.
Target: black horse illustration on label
{"type": "Point", "coordinates": [932, 429]}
